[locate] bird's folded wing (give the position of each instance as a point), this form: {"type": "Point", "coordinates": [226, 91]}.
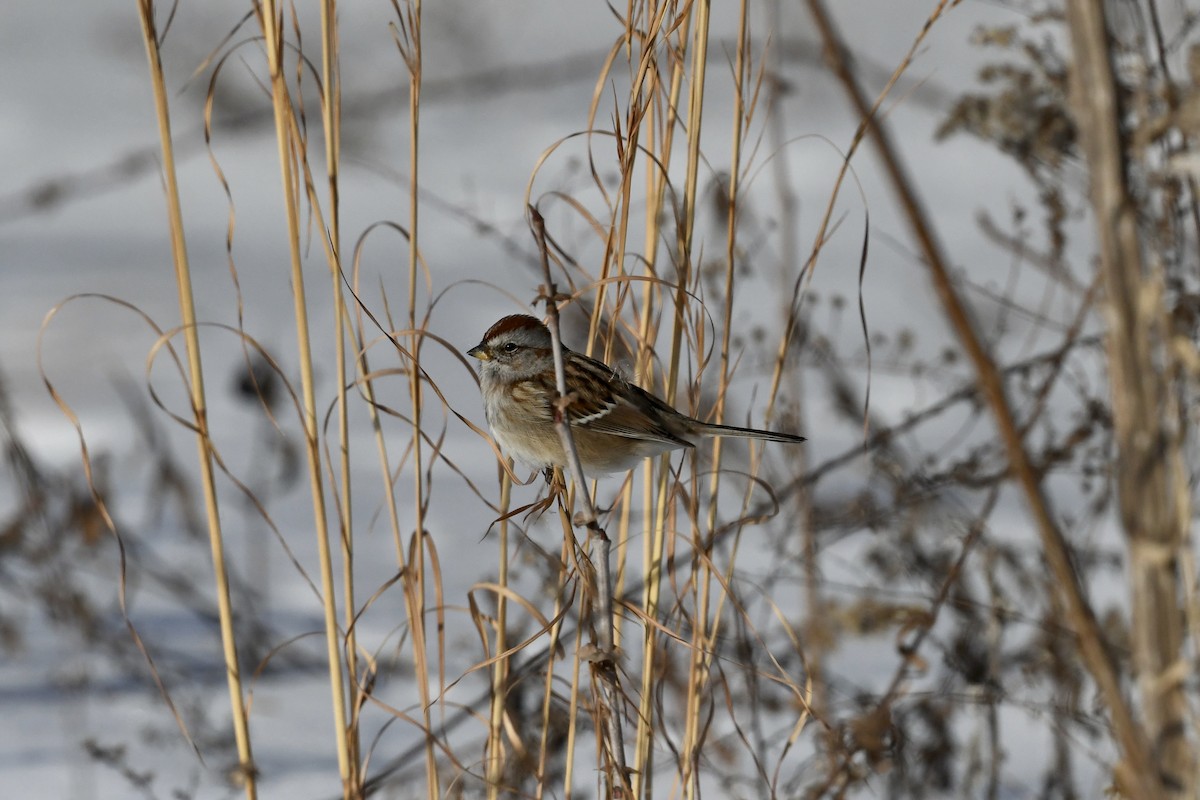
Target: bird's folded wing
{"type": "Point", "coordinates": [599, 409]}
{"type": "Point", "coordinates": [622, 419]}
{"type": "Point", "coordinates": [601, 404]}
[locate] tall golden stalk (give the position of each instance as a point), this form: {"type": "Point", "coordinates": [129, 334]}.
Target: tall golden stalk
{"type": "Point", "coordinates": [331, 118]}
{"type": "Point", "coordinates": [675, 39]}
{"type": "Point", "coordinates": [408, 41]}
{"type": "Point", "coordinates": [187, 309]}
{"type": "Point", "coordinates": [496, 749]}
{"type": "Point", "coordinates": [683, 278]}
{"type": "Point", "coordinates": [704, 630]}
{"type": "Point", "coordinates": [272, 27]}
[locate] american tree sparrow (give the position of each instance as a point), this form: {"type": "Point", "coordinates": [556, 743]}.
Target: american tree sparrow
{"type": "Point", "coordinates": [614, 423]}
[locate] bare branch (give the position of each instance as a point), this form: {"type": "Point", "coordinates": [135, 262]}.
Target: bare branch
{"type": "Point", "coordinates": [604, 665]}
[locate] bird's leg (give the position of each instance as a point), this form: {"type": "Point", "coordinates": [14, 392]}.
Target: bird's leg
{"type": "Point", "coordinates": [556, 481]}
{"type": "Point", "coordinates": [553, 480]}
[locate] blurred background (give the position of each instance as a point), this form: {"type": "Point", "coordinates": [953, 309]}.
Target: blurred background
{"type": "Point", "coordinates": [902, 476]}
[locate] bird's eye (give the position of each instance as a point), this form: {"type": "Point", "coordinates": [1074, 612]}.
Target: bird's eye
{"type": "Point", "coordinates": [510, 348]}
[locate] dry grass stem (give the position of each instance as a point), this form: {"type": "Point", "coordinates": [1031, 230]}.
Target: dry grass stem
{"type": "Point", "coordinates": [271, 23]}
{"type": "Point", "coordinates": [183, 281]}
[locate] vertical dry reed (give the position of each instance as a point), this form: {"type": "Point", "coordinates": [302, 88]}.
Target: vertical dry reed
{"type": "Point", "coordinates": [187, 310]}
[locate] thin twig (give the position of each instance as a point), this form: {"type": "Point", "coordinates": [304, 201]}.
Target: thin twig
{"type": "Point", "coordinates": [604, 664]}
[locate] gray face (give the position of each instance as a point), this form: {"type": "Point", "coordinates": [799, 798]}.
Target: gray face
{"type": "Point", "coordinates": [514, 353]}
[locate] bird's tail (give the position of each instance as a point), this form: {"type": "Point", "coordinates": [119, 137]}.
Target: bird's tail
{"type": "Point", "coordinates": [748, 433]}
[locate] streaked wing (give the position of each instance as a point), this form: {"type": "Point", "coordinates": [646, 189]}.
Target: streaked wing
{"type": "Point", "coordinates": [600, 406]}
{"type": "Point", "coordinates": [534, 396]}
{"type": "Point", "coordinates": [636, 416]}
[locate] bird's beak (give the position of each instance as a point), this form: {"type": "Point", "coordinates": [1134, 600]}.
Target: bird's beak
{"type": "Point", "coordinates": [480, 352]}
